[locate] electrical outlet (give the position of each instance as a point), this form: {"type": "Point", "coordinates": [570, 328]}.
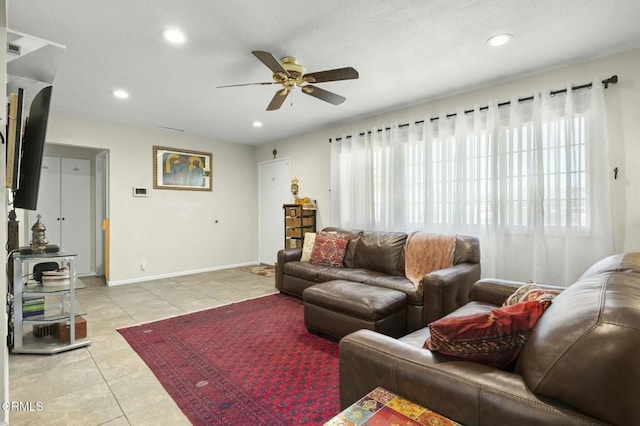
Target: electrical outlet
{"type": "Point", "coordinates": [143, 264]}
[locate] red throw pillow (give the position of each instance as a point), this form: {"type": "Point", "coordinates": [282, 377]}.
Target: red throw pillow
{"type": "Point", "coordinates": [328, 249]}
{"type": "Point", "coordinates": [494, 338]}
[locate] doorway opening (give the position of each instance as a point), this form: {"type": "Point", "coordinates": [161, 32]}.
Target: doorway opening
{"type": "Point", "coordinates": [73, 204]}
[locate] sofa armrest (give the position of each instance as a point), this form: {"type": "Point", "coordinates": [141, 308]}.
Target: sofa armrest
{"type": "Point", "coordinates": [467, 392]}
{"type": "Point", "coordinates": [284, 256]}
{"type": "Point", "coordinates": [445, 290]}
{"type": "Point", "coordinates": [496, 291]}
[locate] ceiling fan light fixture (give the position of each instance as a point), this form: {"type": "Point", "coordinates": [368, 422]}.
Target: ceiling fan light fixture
{"type": "Point", "coordinates": [257, 124]}
{"type": "Point", "coordinates": [499, 39]}
{"type": "Point", "coordinates": [174, 35]}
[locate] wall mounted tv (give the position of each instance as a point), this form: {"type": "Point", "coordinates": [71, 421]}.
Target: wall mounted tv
{"type": "Point", "coordinates": [32, 148]}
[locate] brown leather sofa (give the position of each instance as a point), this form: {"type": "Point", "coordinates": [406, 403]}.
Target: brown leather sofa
{"type": "Point", "coordinates": [579, 365]}
{"type": "Point", "coordinates": [377, 258]}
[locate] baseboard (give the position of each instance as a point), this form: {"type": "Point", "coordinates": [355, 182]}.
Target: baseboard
{"type": "Point", "coordinates": [112, 283]}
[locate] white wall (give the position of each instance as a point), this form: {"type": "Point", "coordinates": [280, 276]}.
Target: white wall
{"type": "Point", "coordinates": [174, 231]}
{"type": "Point", "coordinates": [310, 154]}
{"type": "Point", "coordinates": [4, 353]}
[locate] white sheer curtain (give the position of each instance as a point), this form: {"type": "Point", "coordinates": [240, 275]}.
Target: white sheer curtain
{"type": "Point", "coordinates": [529, 179]}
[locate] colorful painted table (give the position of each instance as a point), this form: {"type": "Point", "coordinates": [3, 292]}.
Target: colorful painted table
{"type": "Point", "coordinates": [381, 407]}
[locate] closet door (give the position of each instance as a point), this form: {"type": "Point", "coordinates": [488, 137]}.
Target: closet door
{"type": "Point", "coordinates": [48, 200]}
{"type": "Point", "coordinates": [75, 211]}
{"type": "Point", "coordinates": [64, 204]}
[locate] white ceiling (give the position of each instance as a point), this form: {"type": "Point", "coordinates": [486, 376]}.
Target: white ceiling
{"type": "Point", "coordinates": [406, 51]}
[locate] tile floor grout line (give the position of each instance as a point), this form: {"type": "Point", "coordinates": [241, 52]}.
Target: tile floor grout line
{"type": "Point", "coordinates": [106, 382]}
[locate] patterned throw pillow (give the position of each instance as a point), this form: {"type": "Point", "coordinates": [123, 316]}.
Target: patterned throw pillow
{"type": "Point", "coordinates": [530, 291]}
{"type": "Point", "coordinates": [328, 249]}
{"type": "Point", "coordinates": [494, 338]}
{"type": "Point", "coordinates": [307, 247]}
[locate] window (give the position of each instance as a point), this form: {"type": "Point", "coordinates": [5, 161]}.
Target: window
{"type": "Point", "coordinates": [498, 181]}
{"type": "Point", "coordinates": [528, 178]}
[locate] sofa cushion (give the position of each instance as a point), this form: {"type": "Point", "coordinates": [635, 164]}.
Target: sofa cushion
{"type": "Point", "coordinates": [590, 335]}
{"type": "Point", "coordinates": [349, 274]}
{"type": "Point", "coordinates": [418, 337]}
{"type": "Point", "coordinates": [467, 250]}
{"type": "Point", "coordinates": [307, 247]}
{"type": "Point", "coordinates": [397, 282]}
{"type": "Point", "coordinates": [380, 251]}
{"type": "Point", "coordinates": [328, 249]}
{"type": "Point", "coordinates": [494, 338]}
{"type": "Point", "coordinates": [353, 235]}
{"type": "Point", "coordinates": [304, 270]}
{"type": "Point", "coordinates": [530, 291]}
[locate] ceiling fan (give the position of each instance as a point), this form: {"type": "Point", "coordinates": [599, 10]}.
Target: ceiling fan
{"type": "Point", "coordinates": [290, 74]}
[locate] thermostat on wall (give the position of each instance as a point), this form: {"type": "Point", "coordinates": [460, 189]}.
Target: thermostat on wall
{"type": "Point", "coordinates": [139, 192]}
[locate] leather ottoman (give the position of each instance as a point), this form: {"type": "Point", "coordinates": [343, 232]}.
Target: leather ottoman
{"type": "Point", "coordinates": [339, 307]}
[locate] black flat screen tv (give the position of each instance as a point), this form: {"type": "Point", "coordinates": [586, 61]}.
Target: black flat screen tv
{"type": "Point", "coordinates": [35, 133]}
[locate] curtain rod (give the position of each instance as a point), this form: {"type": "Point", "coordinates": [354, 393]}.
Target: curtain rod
{"type": "Point", "coordinates": [606, 82]}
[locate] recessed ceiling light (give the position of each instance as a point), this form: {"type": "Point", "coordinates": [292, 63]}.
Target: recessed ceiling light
{"type": "Point", "coordinates": [120, 94]}
{"type": "Point", "coordinates": [174, 35]}
{"type": "Point", "coordinates": [499, 39]}
{"type": "Point", "coordinates": [257, 124]}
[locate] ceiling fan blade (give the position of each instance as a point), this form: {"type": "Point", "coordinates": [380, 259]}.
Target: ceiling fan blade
{"type": "Point", "coordinates": [247, 84]}
{"type": "Point", "coordinates": [271, 62]}
{"type": "Point", "coordinates": [278, 99]}
{"type": "Point", "coordinates": [322, 94]}
{"type": "Point", "coordinates": [347, 73]}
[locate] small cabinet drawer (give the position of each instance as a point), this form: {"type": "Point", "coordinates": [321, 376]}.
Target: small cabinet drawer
{"type": "Point", "coordinates": [293, 243]}
{"type": "Point", "coordinates": [292, 222]}
{"type": "Point", "coordinates": [298, 232]}
{"type": "Point", "coordinates": [293, 211]}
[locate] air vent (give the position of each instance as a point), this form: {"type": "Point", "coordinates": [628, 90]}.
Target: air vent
{"type": "Point", "coordinates": [14, 48]}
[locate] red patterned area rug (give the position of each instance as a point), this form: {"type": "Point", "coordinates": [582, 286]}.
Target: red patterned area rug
{"type": "Point", "coordinates": [247, 363]}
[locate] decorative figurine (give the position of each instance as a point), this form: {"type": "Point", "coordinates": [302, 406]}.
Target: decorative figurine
{"type": "Point", "coordinates": [38, 239]}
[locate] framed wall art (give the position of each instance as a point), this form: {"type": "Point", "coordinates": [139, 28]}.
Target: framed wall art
{"type": "Point", "coordinates": [182, 169]}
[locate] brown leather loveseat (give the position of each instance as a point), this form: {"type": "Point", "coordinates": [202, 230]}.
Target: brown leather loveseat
{"type": "Point", "coordinates": [376, 258]}
{"type": "Point", "coordinates": [580, 364]}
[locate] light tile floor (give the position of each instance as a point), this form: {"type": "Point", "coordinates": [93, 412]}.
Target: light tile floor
{"type": "Point", "coordinates": [107, 383]}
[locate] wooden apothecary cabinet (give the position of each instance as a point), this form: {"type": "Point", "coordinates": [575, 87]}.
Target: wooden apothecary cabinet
{"type": "Point", "coordinates": [298, 220]}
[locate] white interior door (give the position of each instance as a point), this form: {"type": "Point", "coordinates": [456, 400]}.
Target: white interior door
{"type": "Point", "coordinates": [64, 203]}
{"type": "Point", "coordinates": [48, 201]}
{"type": "Point", "coordinates": [275, 190]}
{"type": "Point", "coordinates": [76, 211]}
